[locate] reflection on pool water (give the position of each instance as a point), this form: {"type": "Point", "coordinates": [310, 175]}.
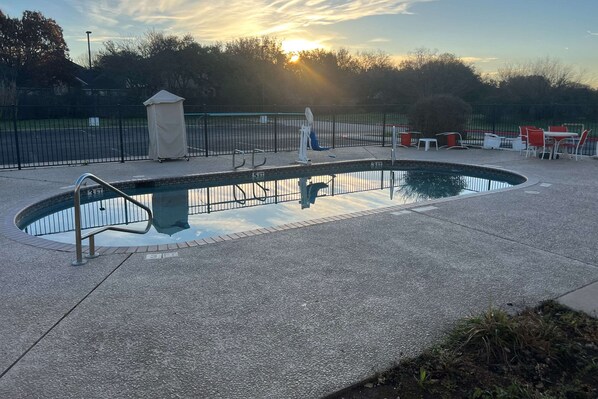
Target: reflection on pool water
{"type": "Point", "coordinates": [186, 213]}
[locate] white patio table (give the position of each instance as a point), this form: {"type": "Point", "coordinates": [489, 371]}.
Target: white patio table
{"type": "Point", "coordinates": [558, 136]}
{"type": "Point", "coordinates": [427, 143]}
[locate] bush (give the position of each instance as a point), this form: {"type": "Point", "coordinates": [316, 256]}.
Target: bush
{"type": "Point", "coordinates": [439, 113]}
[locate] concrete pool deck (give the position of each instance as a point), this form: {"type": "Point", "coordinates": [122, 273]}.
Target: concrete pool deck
{"type": "Point", "coordinates": [299, 313]}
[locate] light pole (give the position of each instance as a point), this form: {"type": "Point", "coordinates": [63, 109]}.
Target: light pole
{"type": "Point", "coordinates": [88, 48]}
{"type": "Point", "coordinates": [263, 67]}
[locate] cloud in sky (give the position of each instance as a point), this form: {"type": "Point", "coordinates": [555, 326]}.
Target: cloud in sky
{"type": "Point", "coordinates": [102, 39]}
{"type": "Point", "coordinates": [225, 19]}
{"type": "Point", "coordinates": [475, 60]}
{"type": "Point", "coordinates": [393, 26]}
{"type": "Point", "coordinates": [380, 40]}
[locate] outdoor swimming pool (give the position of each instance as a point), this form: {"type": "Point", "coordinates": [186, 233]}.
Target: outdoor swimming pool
{"type": "Point", "coordinates": [215, 205]}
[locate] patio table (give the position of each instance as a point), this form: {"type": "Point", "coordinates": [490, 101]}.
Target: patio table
{"type": "Point", "coordinates": [558, 136]}
{"type": "Point", "coordinates": [427, 143]}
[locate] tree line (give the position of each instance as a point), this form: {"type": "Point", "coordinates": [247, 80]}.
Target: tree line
{"type": "Point", "coordinates": [256, 70]}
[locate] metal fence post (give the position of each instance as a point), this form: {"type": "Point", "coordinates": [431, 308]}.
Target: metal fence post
{"type": "Point", "coordinates": [493, 118]}
{"type": "Point", "coordinates": [16, 130]}
{"type": "Point", "coordinates": [205, 128]}
{"type": "Point", "coordinates": [120, 135]}
{"type": "Point", "coordinates": [275, 130]}
{"type": "Point", "coordinates": [333, 129]}
{"type": "Point", "coordinates": [383, 128]}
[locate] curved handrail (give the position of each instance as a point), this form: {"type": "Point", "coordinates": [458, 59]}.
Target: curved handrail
{"type": "Point", "coordinates": [240, 152]}
{"type": "Point", "coordinates": [77, 208]}
{"type": "Point", "coordinates": [264, 189]}
{"type": "Point", "coordinates": [242, 201]}
{"type": "Point", "coordinates": [253, 164]}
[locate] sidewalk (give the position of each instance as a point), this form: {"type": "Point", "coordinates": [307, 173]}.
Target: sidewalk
{"type": "Point", "coordinates": [298, 313]}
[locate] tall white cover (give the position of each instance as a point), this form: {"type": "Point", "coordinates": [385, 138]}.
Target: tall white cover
{"type": "Point", "coordinates": [166, 123]}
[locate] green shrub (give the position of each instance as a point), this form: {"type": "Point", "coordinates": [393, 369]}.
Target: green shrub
{"type": "Point", "coordinates": [439, 113]}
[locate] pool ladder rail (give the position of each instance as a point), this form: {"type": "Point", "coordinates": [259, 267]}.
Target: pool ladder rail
{"type": "Point", "coordinates": [253, 152]}
{"type": "Point", "coordinates": [79, 237]}
{"type": "Point", "coordinates": [243, 201]}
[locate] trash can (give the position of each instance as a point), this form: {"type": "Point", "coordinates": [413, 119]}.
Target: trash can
{"type": "Point", "coordinates": [491, 141]}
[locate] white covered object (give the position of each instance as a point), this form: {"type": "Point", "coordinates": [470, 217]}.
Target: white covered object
{"type": "Point", "coordinates": [491, 141]}
{"type": "Point", "coordinates": [518, 144]}
{"type": "Point", "coordinates": [166, 123]}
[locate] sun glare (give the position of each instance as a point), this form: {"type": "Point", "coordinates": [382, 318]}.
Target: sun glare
{"type": "Point", "coordinates": [297, 45]}
{"type": "Point", "coordinates": [294, 58]}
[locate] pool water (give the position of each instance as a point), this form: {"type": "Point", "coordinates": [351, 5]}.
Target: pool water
{"type": "Point", "coordinates": [206, 209]}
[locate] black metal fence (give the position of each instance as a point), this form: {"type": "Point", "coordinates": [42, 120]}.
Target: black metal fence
{"type": "Point", "coordinates": [504, 121]}
{"type": "Point", "coordinates": [32, 136]}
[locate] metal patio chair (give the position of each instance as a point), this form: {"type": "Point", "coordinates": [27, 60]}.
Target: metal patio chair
{"type": "Point", "coordinates": [576, 144]}
{"type": "Point", "coordinates": [453, 140]}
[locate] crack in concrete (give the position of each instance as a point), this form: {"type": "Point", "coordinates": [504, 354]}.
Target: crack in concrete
{"type": "Point", "coordinates": [64, 316]}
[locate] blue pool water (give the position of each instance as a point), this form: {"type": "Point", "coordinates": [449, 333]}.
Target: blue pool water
{"type": "Point", "coordinates": [209, 207]}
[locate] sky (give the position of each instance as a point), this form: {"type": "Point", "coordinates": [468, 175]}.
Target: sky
{"type": "Point", "coordinates": [487, 33]}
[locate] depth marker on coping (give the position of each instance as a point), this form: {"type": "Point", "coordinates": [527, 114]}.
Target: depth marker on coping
{"type": "Point", "coordinates": [424, 209]}
{"type": "Point", "coordinates": [162, 255]}
{"type": "Point", "coordinates": [399, 213]}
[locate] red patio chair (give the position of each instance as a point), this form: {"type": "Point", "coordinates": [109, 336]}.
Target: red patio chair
{"type": "Point", "coordinates": [576, 144]}
{"type": "Point", "coordinates": [535, 140]}
{"type": "Point", "coordinates": [557, 129]}
{"type": "Point", "coordinates": [453, 140]}
{"type": "Point", "coordinates": [407, 139]}
{"type": "Point", "coordinates": [523, 137]}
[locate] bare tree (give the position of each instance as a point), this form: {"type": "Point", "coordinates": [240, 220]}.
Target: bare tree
{"type": "Point", "coordinates": [552, 70]}
{"type": "Point", "coordinates": [367, 61]}
{"type": "Point", "coordinates": [546, 80]}
{"type": "Point", "coordinates": [83, 59]}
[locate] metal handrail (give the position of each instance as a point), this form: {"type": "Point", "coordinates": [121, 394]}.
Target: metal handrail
{"type": "Point", "coordinates": [242, 201]}
{"type": "Point", "coordinates": [253, 152]}
{"type": "Point", "coordinates": [79, 237]}
{"type": "Point", "coordinates": [235, 152]}
{"type": "Point", "coordinates": [264, 189]}
{"type": "Point", "coordinates": [253, 164]}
